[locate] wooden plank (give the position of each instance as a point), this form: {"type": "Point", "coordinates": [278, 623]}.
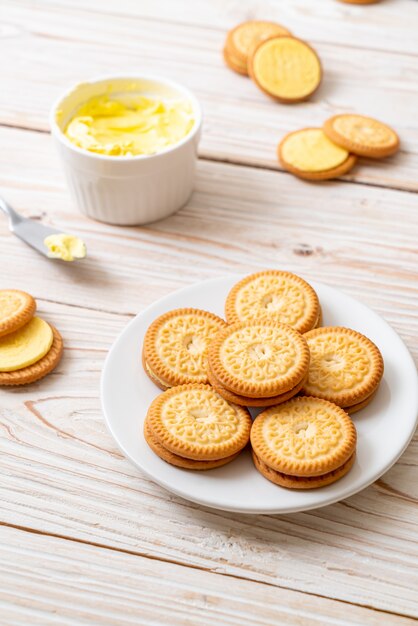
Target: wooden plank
{"type": "Point", "coordinates": [45, 580]}
{"type": "Point", "coordinates": [239, 219]}
{"type": "Point", "coordinates": [242, 124]}
{"type": "Point", "coordinates": [389, 25]}
{"type": "Point", "coordinates": [62, 473]}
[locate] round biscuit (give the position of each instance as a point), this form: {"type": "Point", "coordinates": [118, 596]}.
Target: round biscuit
{"type": "Point", "coordinates": [195, 422]}
{"type": "Point", "coordinates": [345, 366]}
{"type": "Point", "coordinates": [259, 359]}
{"type": "Point", "coordinates": [274, 63]}
{"type": "Point", "coordinates": [273, 295]}
{"type": "Point", "coordinates": [16, 309]}
{"type": "Point", "coordinates": [175, 346]}
{"type": "Point", "coordinates": [305, 436]}
{"type": "Point", "coordinates": [362, 135]}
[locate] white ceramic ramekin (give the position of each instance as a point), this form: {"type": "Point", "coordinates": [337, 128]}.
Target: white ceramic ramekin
{"type": "Point", "coordinates": [127, 190]}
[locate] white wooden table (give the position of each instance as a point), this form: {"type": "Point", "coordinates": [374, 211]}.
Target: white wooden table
{"type": "Point", "coordinates": [85, 537]}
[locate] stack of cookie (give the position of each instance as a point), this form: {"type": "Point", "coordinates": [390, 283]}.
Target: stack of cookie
{"type": "Point", "coordinates": [282, 66]}
{"type": "Point", "coordinates": [271, 348]}
{"type": "Point", "coordinates": [30, 348]}
{"type": "Point", "coordinates": [193, 427]}
{"type": "Point", "coordinates": [345, 367]}
{"type": "Point", "coordinates": [303, 444]}
{"type": "Point", "coordinates": [331, 151]}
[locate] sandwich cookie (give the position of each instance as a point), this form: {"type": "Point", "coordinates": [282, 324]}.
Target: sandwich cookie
{"type": "Point", "coordinates": [362, 135]}
{"type": "Point", "coordinates": [180, 461]}
{"type": "Point", "coordinates": [241, 40]}
{"type": "Point", "coordinates": [273, 295]}
{"type": "Point", "coordinates": [258, 360]}
{"type": "Point", "coordinates": [195, 422]}
{"type": "Point", "coordinates": [16, 309]}
{"type": "Point", "coordinates": [38, 369]}
{"type": "Point", "coordinates": [252, 402]}
{"type": "Point", "coordinates": [306, 438]}
{"type": "Point", "coordinates": [175, 346]}
{"type": "Point", "coordinates": [302, 482]}
{"type": "Point", "coordinates": [310, 154]}
{"type": "Point", "coordinates": [285, 68]}
{"type": "Point", "coordinates": [345, 368]}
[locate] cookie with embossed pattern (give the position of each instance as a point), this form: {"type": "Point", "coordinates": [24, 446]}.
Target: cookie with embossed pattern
{"type": "Point", "coordinates": [175, 346]}
{"type": "Point", "coordinates": [302, 482]}
{"type": "Point", "coordinates": [243, 38]}
{"type": "Point", "coordinates": [180, 461]}
{"type": "Point", "coordinates": [345, 366]}
{"type": "Point", "coordinates": [274, 295]}
{"type": "Point", "coordinates": [16, 309]}
{"type": "Point", "coordinates": [258, 359]}
{"type": "Point", "coordinates": [285, 68]}
{"type": "Point", "coordinates": [362, 135]}
{"type": "Point", "coordinates": [195, 422]}
{"type": "Point", "coordinates": [305, 436]}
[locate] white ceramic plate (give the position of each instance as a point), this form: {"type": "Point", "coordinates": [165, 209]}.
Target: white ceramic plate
{"type": "Point", "coordinates": [384, 428]}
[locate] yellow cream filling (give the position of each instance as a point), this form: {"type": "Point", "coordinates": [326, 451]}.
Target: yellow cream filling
{"type": "Point", "coordinates": [151, 373]}
{"type": "Point", "coordinates": [65, 247]}
{"type": "Point", "coordinates": [25, 346]}
{"type": "Point", "coordinates": [130, 124]}
{"type": "Point", "coordinates": [310, 150]}
{"type": "Point", "coordinates": [287, 68]}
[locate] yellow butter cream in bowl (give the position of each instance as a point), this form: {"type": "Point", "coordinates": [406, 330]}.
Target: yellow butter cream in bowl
{"type": "Point", "coordinates": [130, 124]}
{"type": "Point", "coordinates": [25, 346]}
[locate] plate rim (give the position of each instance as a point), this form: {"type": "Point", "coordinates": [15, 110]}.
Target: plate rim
{"type": "Point", "coordinates": [234, 509]}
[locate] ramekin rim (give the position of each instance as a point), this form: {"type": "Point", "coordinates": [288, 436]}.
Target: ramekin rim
{"type": "Point", "coordinates": [59, 134]}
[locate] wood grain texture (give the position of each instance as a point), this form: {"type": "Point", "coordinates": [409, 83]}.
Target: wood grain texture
{"type": "Point", "coordinates": [238, 220]}
{"type": "Point", "coordinates": [89, 585]}
{"type": "Point", "coordinates": [124, 549]}
{"type": "Point", "coordinates": [62, 474]}
{"type": "Point", "coordinates": [37, 42]}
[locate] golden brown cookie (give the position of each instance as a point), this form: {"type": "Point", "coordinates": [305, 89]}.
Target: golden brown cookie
{"type": "Point", "coordinates": [234, 63]}
{"type": "Point", "coordinates": [319, 320]}
{"type": "Point", "coordinates": [362, 135]}
{"type": "Point", "coordinates": [195, 422]}
{"type": "Point", "coordinates": [273, 295]}
{"type": "Point", "coordinates": [252, 402]}
{"type": "Point", "coordinates": [305, 436]}
{"type": "Point", "coordinates": [360, 405]}
{"type": "Point", "coordinates": [179, 461]}
{"type": "Point", "coordinates": [258, 359]}
{"type": "Point", "coordinates": [302, 482]}
{"type": "Point", "coordinates": [345, 368]}
{"type": "Point", "coordinates": [175, 346]}
{"type": "Point", "coordinates": [37, 370]}
{"type": "Point", "coordinates": [360, 1]}
{"type": "Point", "coordinates": [309, 154]}
{"type": "Point", "coordinates": [16, 309]}
{"type": "Point", "coordinates": [243, 38]}
{"type": "Point", "coordinates": [285, 68]}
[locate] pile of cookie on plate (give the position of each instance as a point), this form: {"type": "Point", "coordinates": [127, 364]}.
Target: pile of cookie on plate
{"type": "Point", "coordinates": [271, 353]}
